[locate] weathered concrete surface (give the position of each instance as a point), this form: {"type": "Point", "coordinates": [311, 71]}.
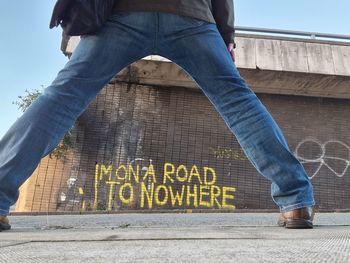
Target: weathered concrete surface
{"type": "Point", "coordinates": [147, 72]}
{"type": "Point", "coordinates": [274, 66]}
{"type": "Point", "coordinates": [295, 66]}
{"type": "Point", "coordinates": [269, 64]}
{"type": "Point", "coordinates": [174, 238]}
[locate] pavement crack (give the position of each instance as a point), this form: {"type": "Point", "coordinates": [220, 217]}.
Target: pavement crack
{"type": "Point", "coordinates": [16, 244]}
{"type": "Point", "coordinates": [115, 238]}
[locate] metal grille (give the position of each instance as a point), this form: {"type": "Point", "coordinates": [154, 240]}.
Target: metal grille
{"type": "Point", "coordinates": [142, 147]}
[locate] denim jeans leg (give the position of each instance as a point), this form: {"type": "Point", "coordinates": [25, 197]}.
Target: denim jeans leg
{"type": "Point", "coordinates": [198, 48]}
{"type": "Point", "coordinates": [94, 62]}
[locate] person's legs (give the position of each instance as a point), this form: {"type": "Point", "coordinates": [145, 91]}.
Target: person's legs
{"type": "Point", "coordinates": [125, 38]}
{"type": "Point", "coordinates": [198, 48]}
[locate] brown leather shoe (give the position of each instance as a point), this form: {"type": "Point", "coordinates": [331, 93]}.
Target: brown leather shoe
{"type": "Point", "coordinates": [298, 218]}
{"type": "Point", "coordinates": [4, 223]}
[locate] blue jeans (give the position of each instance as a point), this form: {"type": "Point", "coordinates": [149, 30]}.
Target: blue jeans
{"type": "Point", "coordinates": [194, 45]}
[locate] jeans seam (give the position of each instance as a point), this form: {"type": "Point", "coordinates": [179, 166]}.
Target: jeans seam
{"type": "Point", "coordinates": [297, 205]}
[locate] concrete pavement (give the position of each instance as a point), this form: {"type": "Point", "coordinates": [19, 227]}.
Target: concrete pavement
{"type": "Point", "coordinates": [197, 237]}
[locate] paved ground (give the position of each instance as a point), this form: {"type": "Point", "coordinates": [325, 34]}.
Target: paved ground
{"type": "Point", "coordinates": [174, 238]}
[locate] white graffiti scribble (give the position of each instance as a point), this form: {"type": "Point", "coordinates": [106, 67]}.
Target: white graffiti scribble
{"type": "Point", "coordinates": [324, 158]}
{"type": "Point", "coordinates": [63, 197]}
{"type": "Point", "coordinates": [140, 160]}
{"type": "Point", "coordinates": [145, 164]}
{"type": "Point", "coordinates": [71, 182]}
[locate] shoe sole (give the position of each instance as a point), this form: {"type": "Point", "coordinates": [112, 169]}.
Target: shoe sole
{"type": "Point", "coordinates": [4, 226]}
{"type": "Point", "coordinates": [298, 224]}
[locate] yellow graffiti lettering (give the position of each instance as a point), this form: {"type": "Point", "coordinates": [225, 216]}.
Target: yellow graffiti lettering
{"type": "Point", "coordinates": [214, 195]}
{"type": "Point", "coordinates": [213, 174]}
{"type": "Point", "coordinates": [122, 191]}
{"type": "Point", "coordinates": [184, 186]}
{"type": "Point", "coordinates": [227, 153]}
{"type": "Point", "coordinates": [105, 171]}
{"type": "Point", "coordinates": [96, 186]}
{"type": "Point", "coordinates": [194, 172]}
{"type": "Point", "coordinates": [110, 198]}
{"type": "Point", "coordinates": [185, 173]}
{"type": "Point", "coordinates": [194, 195]}
{"type": "Point", "coordinates": [150, 172]}
{"type": "Point", "coordinates": [226, 196]}
{"type": "Point", "coordinates": [177, 198]}
{"type": "Point", "coordinates": [81, 192]}
{"type": "Point", "coordinates": [157, 197]}
{"type": "Point", "coordinates": [135, 174]}
{"type": "Point", "coordinates": [204, 191]}
{"type": "Point", "coordinates": [121, 169]}
{"type": "Point", "coordinates": [149, 195]}
{"type": "Point", "coordinates": [167, 173]}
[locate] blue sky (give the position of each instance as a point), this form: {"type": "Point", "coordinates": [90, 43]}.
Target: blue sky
{"type": "Point", "coordinates": [30, 53]}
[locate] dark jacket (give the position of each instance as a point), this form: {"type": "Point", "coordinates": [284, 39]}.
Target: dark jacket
{"type": "Point", "coordinates": [220, 12]}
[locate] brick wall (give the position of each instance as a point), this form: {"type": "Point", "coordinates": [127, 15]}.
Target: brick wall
{"type": "Point", "coordinates": [186, 156]}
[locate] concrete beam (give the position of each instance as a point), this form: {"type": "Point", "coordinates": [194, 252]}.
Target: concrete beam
{"type": "Point", "coordinates": [163, 73]}
{"type": "Point", "coordinates": [269, 64]}
{"type": "Point", "coordinates": [296, 55]}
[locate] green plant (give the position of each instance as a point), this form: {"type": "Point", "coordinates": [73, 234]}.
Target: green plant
{"type": "Point", "coordinates": [23, 104]}
{"type": "Point", "coordinates": [24, 101]}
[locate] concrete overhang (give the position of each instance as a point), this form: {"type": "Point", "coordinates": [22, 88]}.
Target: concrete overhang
{"type": "Point", "coordinates": [274, 65]}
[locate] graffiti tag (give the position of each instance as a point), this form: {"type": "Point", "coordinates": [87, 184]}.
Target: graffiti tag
{"type": "Point", "coordinates": [323, 156]}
